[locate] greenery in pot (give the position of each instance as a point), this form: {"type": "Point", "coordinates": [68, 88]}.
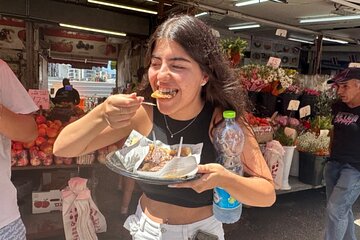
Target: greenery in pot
{"type": "Point", "coordinates": [233, 48]}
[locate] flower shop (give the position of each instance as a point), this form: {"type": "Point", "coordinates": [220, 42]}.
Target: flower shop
{"type": "Point", "coordinates": [291, 119]}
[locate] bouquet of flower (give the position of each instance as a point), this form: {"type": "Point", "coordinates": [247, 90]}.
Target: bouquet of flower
{"type": "Point", "coordinates": [313, 92]}
{"type": "Point", "coordinates": [286, 129]}
{"type": "Point", "coordinates": [313, 143]}
{"type": "Point", "coordinates": [256, 77]}
{"type": "Point", "coordinates": [266, 78]}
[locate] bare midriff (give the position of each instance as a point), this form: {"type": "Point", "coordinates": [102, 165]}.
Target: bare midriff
{"type": "Point", "coordinates": [172, 214]}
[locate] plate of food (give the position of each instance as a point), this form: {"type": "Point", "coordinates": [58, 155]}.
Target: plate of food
{"type": "Point", "coordinates": [155, 162]}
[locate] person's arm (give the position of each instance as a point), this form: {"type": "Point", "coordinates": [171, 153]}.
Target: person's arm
{"type": "Point", "coordinates": [256, 190]}
{"type": "Point", "coordinates": [106, 124]}
{"type": "Point", "coordinates": [17, 127]}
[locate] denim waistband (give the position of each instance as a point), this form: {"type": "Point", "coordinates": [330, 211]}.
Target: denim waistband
{"type": "Point", "coordinates": [176, 228]}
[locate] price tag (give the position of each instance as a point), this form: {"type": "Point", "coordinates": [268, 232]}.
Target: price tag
{"type": "Point", "coordinates": [293, 105]}
{"type": "Point", "coordinates": [40, 97]}
{"type": "Point", "coordinates": [354, 65]}
{"type": "Point", "coordinates": [274, 62]}
{"type": "Point", "coordinates": [281, 32]}
{"type": "Point", "coordinates": [305, 111]}
{"type": "Point", "coordinates": [323, 132]}
{"type": "Point", "coordinates": [290, 132]}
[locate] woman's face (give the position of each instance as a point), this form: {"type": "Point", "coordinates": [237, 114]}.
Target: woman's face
{"type": "Point", "coordinates": [172, 71]}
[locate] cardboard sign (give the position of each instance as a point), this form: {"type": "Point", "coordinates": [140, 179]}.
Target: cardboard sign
{"type": "Point", "coordinates": [354, 65]}
{"type": "Point", "coordinates": [40, 97]}
{"type": "Point", "coordinates": [281, 32]}
{"type": "Point", "coordinates": [305, 111]}
{"type": "Point", "coordinates": [43, 202]}
{"type": "Point", "coordinates": [293, 105]}
{"type": "Point", "coordinates": [274, 62]}
{"type": "Point", "coordinates": [290, 132]}
{"type": "Point", "coordinates": [324, 132]}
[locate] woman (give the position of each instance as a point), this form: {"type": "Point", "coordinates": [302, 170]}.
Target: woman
{"type": "Point", "coordinates": [188, 71]}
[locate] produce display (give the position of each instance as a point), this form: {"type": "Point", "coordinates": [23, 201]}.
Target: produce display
{"type": "Point", "coordinates": [40, 151]}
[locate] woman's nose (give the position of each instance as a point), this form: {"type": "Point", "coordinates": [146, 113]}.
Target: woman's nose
{"type": "Point", "coordinates": [164, 73]}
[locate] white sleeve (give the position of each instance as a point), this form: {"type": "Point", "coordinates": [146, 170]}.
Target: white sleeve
{"type": "Point", "coordinates": [12, 93]}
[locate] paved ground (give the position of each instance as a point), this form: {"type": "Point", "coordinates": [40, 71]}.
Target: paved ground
{"type": "Point", "coordinates": [294, 216]}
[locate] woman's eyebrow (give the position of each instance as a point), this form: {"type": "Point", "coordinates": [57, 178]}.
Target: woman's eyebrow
{"type": "Point", "coordinates": [179, 59]}
{"type": "Point", "coordinates": [172, 58]}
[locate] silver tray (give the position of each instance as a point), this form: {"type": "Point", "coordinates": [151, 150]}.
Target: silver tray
{"type": "Point", "coordinates": [119, 169]}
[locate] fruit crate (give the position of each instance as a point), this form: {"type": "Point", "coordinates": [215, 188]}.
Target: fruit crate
{"type": "Point", "coordinates": [86, 159]}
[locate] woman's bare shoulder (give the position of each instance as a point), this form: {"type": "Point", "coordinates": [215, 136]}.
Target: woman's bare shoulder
{"type": "Point", "coordinates": [143, 120]}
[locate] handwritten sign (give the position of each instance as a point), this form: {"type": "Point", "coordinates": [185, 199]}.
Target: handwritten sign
{"type": "Point", "coordinates": [324, 132]}
{"type": "Point", "coordinates": [40, 97]}
{"type": "Point", "coordinates": [354, 65]}
{"type": "Point", "coordinates": [290, 132]}
{"type": "Point", "coordinates": [305, 111]}
{"type": "Point", "coordinates": [281, 32]}
{"type": "Point", "coordinates": [274, 62]}
{"type": "Point", "coordinates": [293, 105]}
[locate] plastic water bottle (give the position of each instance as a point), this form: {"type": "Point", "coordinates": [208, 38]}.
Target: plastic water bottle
{"type": "Point", "coordinates": [228, 142]}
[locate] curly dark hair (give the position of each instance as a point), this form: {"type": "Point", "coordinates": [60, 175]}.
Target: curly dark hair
{"type": "Point", "coordinates": [223, 89]}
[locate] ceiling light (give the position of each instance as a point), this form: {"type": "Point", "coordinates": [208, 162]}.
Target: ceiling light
{"type": "Point", "coordinates": [166, 4]}
{"type": "Point", "coordinates": [122, 6]}
{"type": "Point", "coordinates": [250, 2]}
{"type": "Point", "coordinates": [201, 14]}
{"type": "Point", "coordinates": [244, 26]}
{"type": "Point", "coordinates": [329, 19]}
{"type": "Point", "coordinates": [279, 1]}
{"type": "Point", "coordinates": [335, 40]}
{"type": "Point", "coordinates": [300, 40]}
{"type": "Point", "coordinates": [93, 29]}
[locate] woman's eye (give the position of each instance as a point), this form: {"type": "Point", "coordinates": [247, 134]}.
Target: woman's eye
{"type": "Point", "coordinates": [177, 67]}
{"type": "Point", "coordinates": [154, 64]}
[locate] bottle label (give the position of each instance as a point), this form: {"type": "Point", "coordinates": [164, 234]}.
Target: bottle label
{"type": "Point", "coordinates": [223, 199]}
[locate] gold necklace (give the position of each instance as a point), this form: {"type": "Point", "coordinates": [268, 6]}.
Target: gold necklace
{"type": "Point", "coordinates": [173, 134]}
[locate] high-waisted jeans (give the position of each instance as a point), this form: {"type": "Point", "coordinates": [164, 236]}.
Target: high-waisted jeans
{"type": "Point", "coordinates": [141, 227]}
{"type": "Point", "coordinates": [342, 190]}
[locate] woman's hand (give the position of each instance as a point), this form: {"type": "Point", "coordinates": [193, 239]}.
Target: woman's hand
{"type": "Point", "coordinates": [213, 175]}
{"type": "Point", "coordinates": [120, 108]}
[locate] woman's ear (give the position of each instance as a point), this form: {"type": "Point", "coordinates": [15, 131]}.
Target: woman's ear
{"type": "Point", "coordinates": [205, 79]}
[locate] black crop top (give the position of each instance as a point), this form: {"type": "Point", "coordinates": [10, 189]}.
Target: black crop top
{"type": "Point", "coordinates": [197, 132]}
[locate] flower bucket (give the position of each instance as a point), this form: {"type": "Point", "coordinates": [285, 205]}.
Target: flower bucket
{"type": "Point", "coordinates": [311, 168]}
{"type": "Point", "coordinates": [288, 156]}
{"type": "Point", "coordinates": [294, 169]}
{"type": "Point", "coordinates": [284, 100]}
{"type": "Point", "coordinates": [307, 99]}
{"type": "Point", "coordinates": [253, 98]}
{"type": "Point", "coordinates": [266, 104]}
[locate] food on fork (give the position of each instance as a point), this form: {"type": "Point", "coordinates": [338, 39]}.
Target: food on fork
{"type": "Point", "coordinates": [157, 158]}
{"type": "Point", "coordinates": [164, 93]}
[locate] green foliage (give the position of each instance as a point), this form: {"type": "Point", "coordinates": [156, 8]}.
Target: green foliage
{"type": "Point", "coordinates": [321, 122]}
{"type": "Point", "coordinates": [324, 102]}
{"type": "Point", "coordinates": [233, 45]}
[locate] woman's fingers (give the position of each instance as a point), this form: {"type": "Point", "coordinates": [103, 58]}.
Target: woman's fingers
{"type": "Point", "coordinates": [120, 108]}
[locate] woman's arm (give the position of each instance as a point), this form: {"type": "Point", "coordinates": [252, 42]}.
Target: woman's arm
{"type": "Point", "coordinates": [256, 190]}
{"type": "Point", "coordinates": [107, 123]}
{"type": "Point", "coordinates": [17, 127]}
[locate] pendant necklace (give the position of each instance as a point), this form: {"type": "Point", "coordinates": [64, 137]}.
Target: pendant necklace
{"type": "Point", "coordinates": [173, 134]}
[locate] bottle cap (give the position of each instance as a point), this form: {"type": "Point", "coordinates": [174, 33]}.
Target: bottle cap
{"type": "Point", "coordinates": [229, 114]}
